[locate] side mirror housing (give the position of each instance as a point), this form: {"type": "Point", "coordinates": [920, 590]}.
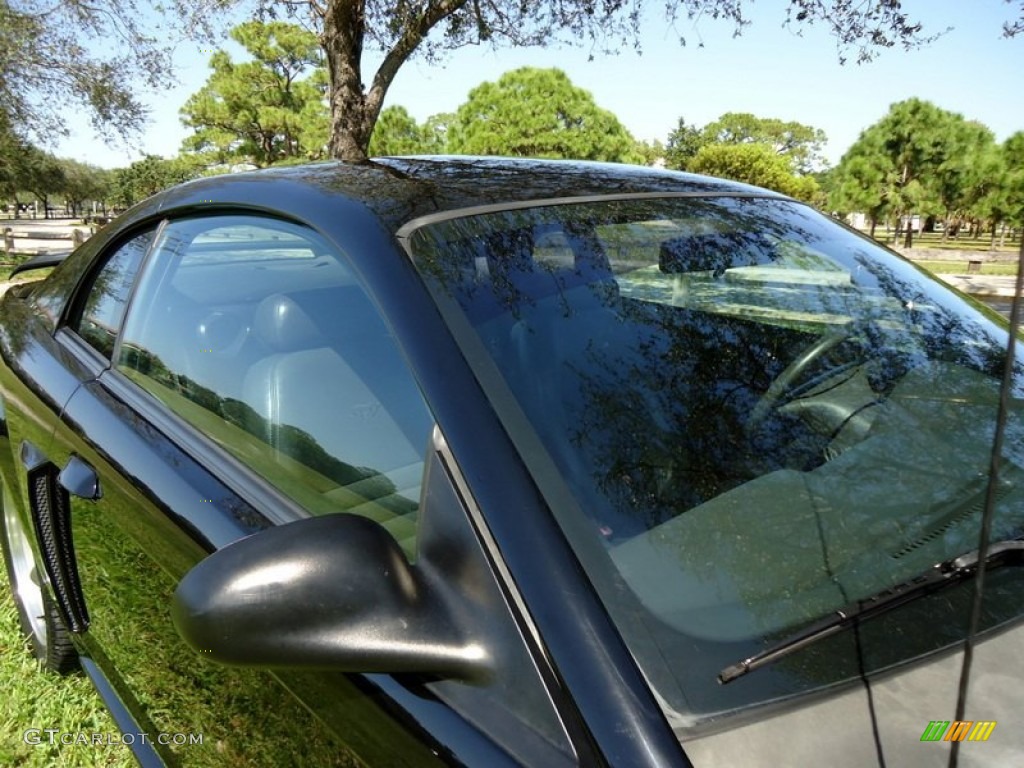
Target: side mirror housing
{"type": "Point", "coordinates": [333, 592]}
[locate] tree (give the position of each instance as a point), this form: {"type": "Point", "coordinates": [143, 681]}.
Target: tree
{"type": "Point", "coordinates": [56, 57]}
{"type": "Point", "coordinates": [26, 168]}
{"type": "Point", "coordinates": [971, 166]}
{"type": "Point", "coordinates": [753, 164]}
{"type": "Point", "coordinates": [683, 144]}
{"type": "Point", "coordinates": [533, 112]}
{"type": "Point", "coordinates": [11, 147]}
{"type": "Point", "coordinates": [84, 183]}
{"type": "Point", "coordinates": [42, 175]}
{"type": "Point", "coordinates": [44, 66]}
{"type": "Point", "coordinates": [904, 153]}
{"type": "Point", "coordinates": [650, 153]}
{"type": "Point", "coordinates": [398, 133]}
{"type": "Point", "coordinates": [801, 143]}
{"type": "Point", "coordinates": [264, 110]}
{"type": "Point", "coordinates": [1003, 202]}
{"type": "Point", "coordinates": [429, 27]}
{"type": "Point", "coordinates": [864, 180]}
{"type": "Point", "coordinates": [148, 176]}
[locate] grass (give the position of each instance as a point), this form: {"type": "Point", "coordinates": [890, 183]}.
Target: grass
{"type": "Point", "coordinates": [9, 261]}
{"type": "Point", "coordinates": [36, 699]}
{"type": "Point", "coordinates": [960, 267]}
{"type": "Point", "coordinates": [933, 240]}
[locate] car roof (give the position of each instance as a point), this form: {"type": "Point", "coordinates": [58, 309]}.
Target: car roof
{"type": "Point", "coordinates": [399, 189]}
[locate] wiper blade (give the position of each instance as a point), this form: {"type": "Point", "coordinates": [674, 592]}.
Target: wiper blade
{"type": "Point", "coordinates": [939, 576]}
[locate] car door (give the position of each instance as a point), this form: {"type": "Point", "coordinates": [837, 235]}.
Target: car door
{"type": "Point", "coordinates": [39, 377]}
{"type": "Point", "coordinates": [252, 383]}
{"type": "Point", "coordinates": [129, 545]}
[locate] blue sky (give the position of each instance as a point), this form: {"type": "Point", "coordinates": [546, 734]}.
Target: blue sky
{"type": "Point", "coordinates": [768, 71]}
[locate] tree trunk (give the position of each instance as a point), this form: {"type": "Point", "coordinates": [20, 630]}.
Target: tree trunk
{"type": "Point", "coordinates": [908, 237]}
{"type": "Point", "coordinates": [351, 125]}
{"type": "Point", "coordinates": [874, 223]}
{"type": "Point", "coordinates": [349, 139]}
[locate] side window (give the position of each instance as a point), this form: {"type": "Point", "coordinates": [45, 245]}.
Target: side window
{"type": "Point", "coordinates": [101, 314]}
{"type": "Point", "coordinates": [257, 333]}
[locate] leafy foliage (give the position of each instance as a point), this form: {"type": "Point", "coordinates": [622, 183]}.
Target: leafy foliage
{"type": "Point", "coordinates": [148, 176]}
{"type": "Point", "coordinates": [84, 183]}
{"type": "Point", "coordinates": [801, 143]}
{"type": "Point", "coordinates": [684, 142]}
{"type": "Point", "coordinates": [45, 66]}
{"type": "Point", "coordinates": [26, 168]}
{"type": "Point", "coordinates": [922, 159]}
{"type": "Point", "coordinates": [753, 163]}
{"type": "Point", "coordinates": [406, 28]}
{"type": "Point", "coordinates": [767, 152]}
{"type": "Point", "coordinates": [265, 110]}
{"type": "Point", "coordinates": [533, 112]}
{"type": "Point", "coordinates": [398, 133]}
{"type": "Point", "coordinates": [91, 54]}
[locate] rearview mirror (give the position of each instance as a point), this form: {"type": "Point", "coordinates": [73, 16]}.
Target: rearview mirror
{"type": "Point", "coordinates": [714, 252]}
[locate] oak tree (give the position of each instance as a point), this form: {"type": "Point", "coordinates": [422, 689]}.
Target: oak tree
{"type": "Point", "coordinates": [90, 55]}
{"type": "Point", "coordinates": [44, 65]}
{"type": "Point", "coordinates": [400, 29]}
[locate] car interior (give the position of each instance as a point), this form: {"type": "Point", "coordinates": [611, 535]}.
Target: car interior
{"type": "Point", "coordinates": [293, 361]}
{"type": "Point", "coordinates": [747, 453]}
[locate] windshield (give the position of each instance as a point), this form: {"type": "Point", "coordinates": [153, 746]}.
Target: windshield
{"type": "Point", "coordinates": [744, 416]}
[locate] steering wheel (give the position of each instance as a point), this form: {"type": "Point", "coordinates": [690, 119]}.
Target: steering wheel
{"type": "Point", "coordinates": [787, 385]}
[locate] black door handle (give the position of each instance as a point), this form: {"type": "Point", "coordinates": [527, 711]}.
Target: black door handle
{"type": "Point", "coordinates": [79, 478]}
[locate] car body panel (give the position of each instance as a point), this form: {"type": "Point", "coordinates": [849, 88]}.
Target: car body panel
{"type": "Point", "coordinates": [169, 497]}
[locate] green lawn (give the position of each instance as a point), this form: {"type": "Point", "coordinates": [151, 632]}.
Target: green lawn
{"type": "Point", "coordinates": [8, 262]}
{"type": "Point", "coordinates": [960, 267]}
{"type": "Point", "coordinates": [962, 243]}
{"type": "Point", "coordinates": [35, 699]}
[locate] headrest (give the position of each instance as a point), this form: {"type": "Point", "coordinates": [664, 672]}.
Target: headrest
{"type": "Point", "coordinates": [284, 326]}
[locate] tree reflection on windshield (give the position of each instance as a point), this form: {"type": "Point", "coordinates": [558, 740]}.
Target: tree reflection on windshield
{"type": "Point", "coordinates": [763, 416]}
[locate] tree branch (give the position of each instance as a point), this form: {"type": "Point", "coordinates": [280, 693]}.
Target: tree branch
{"type": "Point", "coordinates": [404, 47]}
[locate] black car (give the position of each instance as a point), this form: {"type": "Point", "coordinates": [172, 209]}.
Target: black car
{"type": "Point", "coordinates": [490, 462]}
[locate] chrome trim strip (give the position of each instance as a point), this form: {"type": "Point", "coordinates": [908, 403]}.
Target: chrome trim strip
{"type": "Point", "coordinates": [406, 230]}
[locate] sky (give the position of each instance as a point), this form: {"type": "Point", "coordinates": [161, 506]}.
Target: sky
{"type": "Point", "coordinates": [768, 71]}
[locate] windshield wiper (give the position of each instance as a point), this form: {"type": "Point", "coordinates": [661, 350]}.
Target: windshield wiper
{"type": "Point", "coordinates": [939, 576]}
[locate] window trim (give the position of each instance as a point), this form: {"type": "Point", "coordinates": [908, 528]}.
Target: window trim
{"type": "Point", "coordinates": [74, 308]}
{"type": "Point", "coordinates": [240, 477]}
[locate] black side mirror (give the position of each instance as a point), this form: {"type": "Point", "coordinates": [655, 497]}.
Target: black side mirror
{"type": "Point", "coordinates": [337, 592]}
{"type": "Point", "coordinates": [333, 592]}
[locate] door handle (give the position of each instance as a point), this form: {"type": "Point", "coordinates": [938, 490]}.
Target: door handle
{"type": "Point", "coordinates": [80, 479]}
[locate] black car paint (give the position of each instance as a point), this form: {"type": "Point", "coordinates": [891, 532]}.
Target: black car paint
{"type": "Point", "coordinates": [601, 696]}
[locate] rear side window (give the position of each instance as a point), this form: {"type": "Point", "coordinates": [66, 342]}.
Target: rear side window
{"type": "Point", "coordinates": [255, 332]}
{"type": "Point", "coordinates": [103, 310]}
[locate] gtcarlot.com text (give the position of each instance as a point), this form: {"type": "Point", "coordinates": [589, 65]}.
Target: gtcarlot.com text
{"type": "Point", "coordinates": [57, 736]}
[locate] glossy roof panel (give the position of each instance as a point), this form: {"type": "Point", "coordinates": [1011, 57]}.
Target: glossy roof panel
{"type": "Point", "coordinates": [399, 189]}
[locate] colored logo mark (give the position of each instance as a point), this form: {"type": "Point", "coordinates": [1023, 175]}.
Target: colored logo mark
{"type": "Point", "coordinates": [958, 730]}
